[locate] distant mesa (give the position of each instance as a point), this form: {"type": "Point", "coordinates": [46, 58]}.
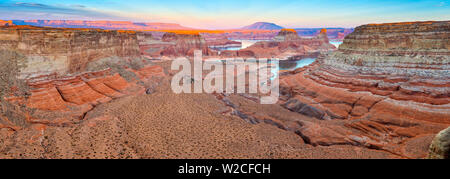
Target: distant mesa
{"type": "Point", "coordinates": [262, 26]}
{"type": "Point", "coordinates": [6, 23]}
{"type": "Point", "coordinates": [107, 25]}
{"type": "Point", "coordinates": [286, 35]}
{"type": "Point", "coordinates": [384, 77]}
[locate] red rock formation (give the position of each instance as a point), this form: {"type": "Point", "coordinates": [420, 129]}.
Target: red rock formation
{"type": "Point", "coordinates": [177, 44]}
{"type": "Point", "coordinates": [76, 95]}
{"type": "Point", "coordinates": [386, 88]}
{"type": "Point", "coordinates": [6, 23]}
{"type": "Point", "coordinates": [55, 70]}
{"type": "Point", "coordinates": [323, 36]}
{"type": "Point", "coordinates": [340, 36]}
{"type": "Point", "coordinates": [222, 43]}
{"type": "Point", "coordinates": [64, 51]}
{"type": "Point", "coordinates": [157, 28]}
{"type": "Point", "coordinates": [144, 37]}
{"type": "Point", "coordinates": [285, 45]}
{"type": "Point", "coordinates": [287, 35]}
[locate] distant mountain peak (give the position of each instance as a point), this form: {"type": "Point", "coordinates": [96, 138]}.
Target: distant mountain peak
{"type": "Point", "coordinates": [263, 26]}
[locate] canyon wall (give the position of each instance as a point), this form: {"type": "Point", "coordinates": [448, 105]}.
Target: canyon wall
{"type": "Point", "coordinates": [64, 51]}
{"type": "Point", "coordinates": [177, 44]}
{"type": "Point", "coordinates": [255, 34]}
{"type": "Point", "coordinates": [287, 44]}
{"type": "Point", "coordinates": [222, 43]}
{"type": "Point", "coordinates": [54, 76]}
{"type": "Point", "coordinates": [287, 35]}
{"type": "Point", "coordinates": [386, 88]}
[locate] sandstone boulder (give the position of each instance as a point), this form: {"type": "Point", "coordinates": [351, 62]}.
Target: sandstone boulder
{"type": "Point", "coordinates": [440, 147]}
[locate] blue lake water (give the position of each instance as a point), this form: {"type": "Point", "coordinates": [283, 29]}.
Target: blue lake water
{"type": "Point", "coordinates": [282, 65]}
{"type": "Point", "coordinates": [336, 43]}
{"type": "Point", "coordinates": [290, 65]}
{"type": "Point", "coordinates": [248, 43]}
{"type": "Point", "coordinates": [245, 44]}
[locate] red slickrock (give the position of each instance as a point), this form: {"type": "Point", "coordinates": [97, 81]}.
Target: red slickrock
{"type": "Point", "coordinates": [386, 88]}
{"type": "Point", "coordinates": [285, 45]}
{"type": "Point", "coordinates": [55, 69]}
{"type": "Point", "coordinates": [179, 44]}
{"type": "Point", "coordinates": [222, 42]}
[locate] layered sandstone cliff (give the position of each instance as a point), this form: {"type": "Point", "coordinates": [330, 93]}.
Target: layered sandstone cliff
{"type": "Point", "coordinates": [65, 51]}
{"type": "Point", "coordinates": [222, 42]}
{"type": "Point", "coordinates": [54, 76]}
{"type": "Point", "coordinates": [287, 35]}
{"type": "Point", "coordinates": [177, 44]}
{"type": "Point", "coordinates": [387, 88]}
{"type": "Point", "coordinates": [185, 44]}
{"type": "Point", "coordinates": [440, 147]}
{"type": "Point", "coordinates": [285, 45]}
{"type": "Point", "coordinates": [144, 37]}
{"type": "Point", "coordinates": [332, 33]}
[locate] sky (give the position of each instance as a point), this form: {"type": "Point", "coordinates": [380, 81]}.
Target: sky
{"type": "Point", "coordinates": [228, 14]}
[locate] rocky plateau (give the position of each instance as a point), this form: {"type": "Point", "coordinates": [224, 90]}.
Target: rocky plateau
{"type": "Point", "coordinates": [91, 93]}
{"type": "Point", "coordinates": [386, 88]}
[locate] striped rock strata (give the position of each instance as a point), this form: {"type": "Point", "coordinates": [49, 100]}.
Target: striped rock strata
{"type": "Point", "coordinates": [387, 88]}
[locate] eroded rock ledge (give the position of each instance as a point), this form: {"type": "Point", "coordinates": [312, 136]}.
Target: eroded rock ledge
{"type": "Point", "coordinates": [388, 85]}
{"type": "Point", "coordinates": [285, 45]}
{"type": "Point", "coordinates": [67, 72]}
{"type": "Point", "coordinates": [440, 147]}
{"type": "Point", "coordinates": [65, 51]}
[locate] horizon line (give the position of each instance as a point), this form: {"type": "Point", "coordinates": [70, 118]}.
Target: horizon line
{"type": "Point", "coordinates": [193, 28]}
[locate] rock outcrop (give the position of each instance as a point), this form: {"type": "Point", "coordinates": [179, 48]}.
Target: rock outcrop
{"type": "Point", "coordinates": [65, 51]}
{"type": "Point", "coordinates": [177, 44]}
{"type": "Point", "coordinates": [440, 147]}
{"type": "Point", "coordinates": [386, 88]}
{"type": "Point", "coordinates": [66, 99]}
{"type": "Point", "coordinates": [67, 72]}
{"type": "Point", "coordinates": [287, 35]}
{"type": "Point", "coordinates": [222, 43]}
{"type": "Point", "coordinates": [185, 44]}
{"type": "Point", "coordinates": [144, 37]}
{"type": "Point", "coordinates": [6, 23]}
{"type": "Point", "coordinates": [285, 45]}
